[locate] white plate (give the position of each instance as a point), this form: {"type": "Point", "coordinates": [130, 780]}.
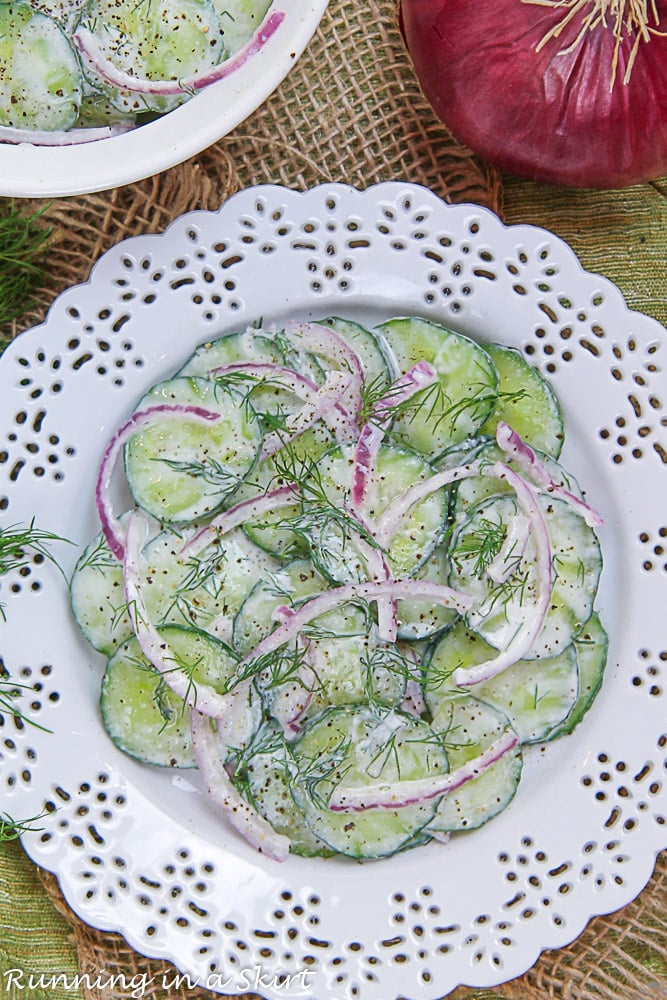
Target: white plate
{"type": "Point", "coordinates": [40, 171]}
{"type": "Point", "coordinates": [136, 849]}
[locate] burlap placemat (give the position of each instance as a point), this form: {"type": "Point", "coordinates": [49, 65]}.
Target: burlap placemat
{"type": "Point", "coordinates": [350, 111]}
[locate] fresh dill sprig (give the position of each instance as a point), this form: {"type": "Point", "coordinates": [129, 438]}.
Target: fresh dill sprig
{"type": "Point", "coordinates": [210, 470]}
{"type": "Point", "coordinates": [512, 589]}
{"type": "Point", "coordinates": [439, 677]}
{"type": "Point", "coordinates": [18, 542]}
{"type": "Point", "coordinates": [435, 407]}
{"type": "Point", "coordinates": [23, 244]}
{"type": "Point", "coordinates": [324, 769]}
{"type": "Point", "coordinates": [268, 741]}
{"type": "Point", "coordinates": [318, 512]}
{"type": "Point", "coordinates": [481, 546]}
{"type": "Point", "coordinates": [277, 667]}
{"type": "Point", "coordinates": [12, 829]}
{"type": "Point", "coordinates": [373, 391]}
{"type": "Point", "coordinates": [99, 558]}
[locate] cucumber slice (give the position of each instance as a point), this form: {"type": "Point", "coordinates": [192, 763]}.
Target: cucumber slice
{"type": "Point", "coordinates": [206, 659]}
{"type": "Point", "coordinates": [183, 471]}
{"type": "Point", "coordinates": [256, 345]}
{"type": "Point", "coordinates": [263, 776]}
{"type": "Point", "coordinates": [591, 647]}
{"type": "Point", "coordinates": [160, 40]}
{"type": "Point", "coordinates": [287, 585]}
{"type": "Point", "coordinates": [535, 695]}
{"type": "Point", "coordinates": [398, 468]}
{"type": "Point", "coordinates": [239, 20]}
{"type": "Point", "coordinates": [230, 349]}
{"type": "Point", "coordinates": [97, 597]}
{"type": "Point", "coordinates": [347, 665]}
{"type": "Point", "coordinates": [280, 533]}
{"type": "Point", "coordinates": [468, 728]}
{"type": "Point", "coordinates": [141, 713]}
{"type": "Point", "coordinates": [40, 77]}
{"type": "Point", "coordinates": [362, 747]}
{"type": "Point", "coordinates": [499, 609]}
{"type": "Point", "coordinates": [463, 398]}
{"type": "Point", "coordinates": [526, 402]}
{"type": "Point", "coordinates": [65, 11]}
{"type": "Point", "coordinates": [369, 346]}
{"type": "Point", "coordinates": [205, 591]}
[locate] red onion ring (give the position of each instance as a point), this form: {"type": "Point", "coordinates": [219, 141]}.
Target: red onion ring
{"type": "Point", "coordinates": [140, 420]}
{"type": "Point", "coordinates": [511, 551]}
{"type": "Point", "coordinates": [532, 625]}
{"type": "Point", "coordinates": [388, 523]}
{"type": "Point", "coordinates": [370, 590]}
{"type": "Point", "coordinates": [372, 433]}
{"type": "Point", "coordinates": [532, 468]}
{"type": "Point", "coordinates": [241, 512]}
{"type": "Point", "coordinates": [327, 343]}
{"type": "Point", "coordinates": [222, 793]}
{"type": "Point", "coordinates": [414, 792]}
{"type": "Point", "coordinates": [297, 383]}
{"type": "Point", "coordinates": [318, 407]}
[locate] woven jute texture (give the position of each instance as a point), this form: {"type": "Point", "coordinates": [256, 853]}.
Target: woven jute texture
{"type": "Point", "coordinates": [350, 111]}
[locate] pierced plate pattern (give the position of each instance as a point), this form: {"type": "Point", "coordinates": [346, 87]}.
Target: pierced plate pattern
{"type": "Point", "coordinates": [137, 849]}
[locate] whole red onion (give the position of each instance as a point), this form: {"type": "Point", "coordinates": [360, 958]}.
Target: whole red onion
{"type": "Point", "coordinates": [573, 92]}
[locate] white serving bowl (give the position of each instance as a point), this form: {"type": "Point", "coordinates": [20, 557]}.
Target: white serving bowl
{"type": "Point", "coordinates": [28, 171]}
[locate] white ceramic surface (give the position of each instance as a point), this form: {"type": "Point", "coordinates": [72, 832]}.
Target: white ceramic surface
{"type": "Point", "coordinates": [137, 849]}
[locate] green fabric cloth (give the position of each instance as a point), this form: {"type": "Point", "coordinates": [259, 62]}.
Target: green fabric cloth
{"type": "Point", "coordinates": [34, 937]}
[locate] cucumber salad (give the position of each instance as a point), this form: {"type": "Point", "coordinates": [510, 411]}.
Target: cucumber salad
{"type": "Point", "coordinates": [80, 70]}
{"type": "Point", "coordinates": [352, 585]}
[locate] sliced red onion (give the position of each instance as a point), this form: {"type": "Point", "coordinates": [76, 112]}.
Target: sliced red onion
{"type": "Point", "coordinates": [329, 344]}
{"type": "Point", "coordinates": [389, 522]}
{"type": "Point", "coordinates": [418, 790]}
{"type": "Point", "coordinates": [318, 407]}
{"type": "Point", "coordinates": [91, 50]}
{"type": "Point", "coordinates": [339, 421]}
{"type": "Point", "coordinates": [534, 469]}
{"type": "Point", "coordinates": [442, 836]}
{"type": "Point", "coordinates": [413, 700]}
{"type": "Point", "coordinates": [365, 461]}
{"type": "Point", "coordinates": [245, 510]}
{"type": "Point", "coordinates": [378, 569]}
{"type": "Point", "coordinates": [223, 793]}
{"type": "Point", "coordinates": [534, 618]}
{"type": "Point", "coordinates": [372, 433]}
{"type": "Point", "coordinates": [72, 137]}
{"type": "Point", "coordinates": [153, 645]}
{"type": "Point", "coordinates": [367, 590]}
{"type": "Point", "coordinates": [139, 421]}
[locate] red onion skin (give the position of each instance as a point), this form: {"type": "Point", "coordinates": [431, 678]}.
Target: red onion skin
{"type": "Point", "coordinates": [544, 115]}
